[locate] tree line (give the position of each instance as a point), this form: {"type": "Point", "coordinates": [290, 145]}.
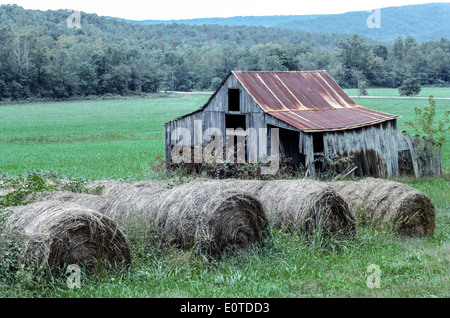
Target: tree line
{"type": "Point", "coordinates": [41, 57]}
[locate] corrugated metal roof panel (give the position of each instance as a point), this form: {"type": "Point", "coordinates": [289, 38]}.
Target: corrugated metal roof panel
{"type": "Point", "coordinates": [307, 100]}
{"type": "Point", "coordinates": [332, 119]}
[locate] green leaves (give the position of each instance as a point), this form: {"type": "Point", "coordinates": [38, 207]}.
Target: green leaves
{"type": "Point", "coordinates": [428, 126]}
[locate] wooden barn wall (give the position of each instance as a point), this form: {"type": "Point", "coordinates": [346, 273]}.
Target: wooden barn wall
{"type": "Point", "coordinates": [213, 116]}
{"type": "Point", "coordinates": [422, 158]}
{"type": "Point", "coordinates": [381, 138]}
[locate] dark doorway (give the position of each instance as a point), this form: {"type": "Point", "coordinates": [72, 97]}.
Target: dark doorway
{"type": "Point", "coordinates": [234, 104]}
{"type": "Point", "coordinates": [318, 148]}
{"type": "Point", "coordinates": [289, 147]}
{"type": "Point", "coordinates": [318, 142]}
{"type": "Point", "coordinates": [235, 122]}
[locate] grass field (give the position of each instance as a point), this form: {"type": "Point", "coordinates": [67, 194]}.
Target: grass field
{"type": "Point", "coordinates": [441, 92]}
{"type": "Point", "coordinates": [119, 139]}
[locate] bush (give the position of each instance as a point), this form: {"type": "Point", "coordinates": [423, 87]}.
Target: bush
{"type": "Point", "coordinates": [425, 123]}
{"type": "Point", "coordinates": [410, 87]}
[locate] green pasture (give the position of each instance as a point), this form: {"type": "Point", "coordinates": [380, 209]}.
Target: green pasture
{"type": "Point", "coordinates": [438, 92]}
{"type": "Point", "coordinates": [100, 139]}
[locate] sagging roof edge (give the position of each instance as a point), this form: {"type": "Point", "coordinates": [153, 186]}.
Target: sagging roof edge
{"type": "Point", "coordinates": [362, 125]}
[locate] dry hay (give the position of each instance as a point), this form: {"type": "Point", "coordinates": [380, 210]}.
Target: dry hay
{"type": "Point", "coordinates": [303, 206]}
{"type": "Point", "coordinates": [307, 206]}
{"type": "Point", "coordinates": [54, 234]}
{"type": "Point", "coordinates": [123, 202]}
{"type": "Point", "coordinates": [211, 217]}
{"type": "Point", "coordinates": [113, 187]}
{"type": "Point", "coordinates": [390, 204]}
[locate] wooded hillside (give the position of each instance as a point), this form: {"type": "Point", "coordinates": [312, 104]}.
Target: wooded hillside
{"type": "Point", "coordinates": [41, 57]}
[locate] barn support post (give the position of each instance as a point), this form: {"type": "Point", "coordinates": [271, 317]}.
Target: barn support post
{"type": "Point", "coordinates": [167, 147]}
{"type": "Point", "coordinates": [308, 149]}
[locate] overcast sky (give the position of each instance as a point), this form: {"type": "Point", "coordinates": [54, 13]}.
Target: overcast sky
{"type": "Point", "coordinates": [188, 9]}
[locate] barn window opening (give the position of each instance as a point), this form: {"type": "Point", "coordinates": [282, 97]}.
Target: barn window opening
{"type": "Point", "coordinates": [405, 164]}
{"type": "Point", "coordinates": [234, 100]}
{"type": "Point", "coordinates": [318, 143]}
{"type": "Point", "coordinates": [235, 121]}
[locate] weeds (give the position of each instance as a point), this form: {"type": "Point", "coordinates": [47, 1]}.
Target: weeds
{"type": "Point", "coordinates": [21, 189]}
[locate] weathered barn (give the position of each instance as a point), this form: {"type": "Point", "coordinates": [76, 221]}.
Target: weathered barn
{"type": "Point", "coordinates": [314, 116]}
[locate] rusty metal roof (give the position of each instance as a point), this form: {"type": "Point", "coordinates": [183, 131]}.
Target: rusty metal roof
{"type": "Point", "coordinates": [307, 100]}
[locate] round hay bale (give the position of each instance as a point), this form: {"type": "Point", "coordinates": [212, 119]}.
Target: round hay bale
{"type": "Point", "coordinates": [54, 234]}
{"type": "Point", "coordinates": [211, 217]}
{"type": "Point", "coordinates": [300, 205]}
{"type": "Point", "coordinates": [121, 202]}
{"type": "Point", "coordinates": [252, 187]}
{"type": "Point", "coordinates": [307, 206]}
{"type": "Point", "coordinates": [389, 204]}
{"type": "Point", "coordinates": [113, 187]}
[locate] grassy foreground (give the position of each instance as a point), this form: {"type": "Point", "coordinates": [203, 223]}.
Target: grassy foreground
{"type": "Point", "coordinates": [119, 139]}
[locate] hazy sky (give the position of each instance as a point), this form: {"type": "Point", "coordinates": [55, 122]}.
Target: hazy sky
{"type": "Point", "coordinates": [188, 9]}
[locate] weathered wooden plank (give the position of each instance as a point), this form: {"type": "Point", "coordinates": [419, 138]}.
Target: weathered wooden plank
{"type": "Point", "coordinates": [380, 138]}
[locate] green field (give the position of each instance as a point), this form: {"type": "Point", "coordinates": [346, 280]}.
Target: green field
{"type": "Point", "coordinates": [119, 139]}
{"type": "Point", "coordinates": [441, 92]}
{"type": "Point", "coordinates": [101, 139]}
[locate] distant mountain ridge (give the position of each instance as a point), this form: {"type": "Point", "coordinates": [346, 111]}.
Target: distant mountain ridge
{"type": "Point", "coordinates": [425, 22]}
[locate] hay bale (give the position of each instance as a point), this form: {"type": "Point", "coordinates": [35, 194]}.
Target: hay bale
{"type": "Point", "coordinates": [113, 187]}
{"type": "Point", "coordinates": [302, 206]}
{"type": "Point", "coordinates": [390, 204]}
{"type": "Point", "coordinates": [252, 187]}
{"type": "Point", "coordinates": [54, 234]}
{"type": "Point", "coordinates": [211, 217]}
{"type": "Point", "coordinates": [307, 206]}
{"type": "Point", "coordinates": [122, 202]}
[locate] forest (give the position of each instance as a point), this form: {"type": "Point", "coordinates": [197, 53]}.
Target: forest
{"type": "Point", "coordinates": [43, 57]}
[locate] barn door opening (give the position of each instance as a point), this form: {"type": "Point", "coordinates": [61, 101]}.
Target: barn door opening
{"type": "Point", "coordinates": [289, 148]}
{"type": "Point", "coordinates": [318, 148]}
{"type": "Point", "coordinates": [239, 140]}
